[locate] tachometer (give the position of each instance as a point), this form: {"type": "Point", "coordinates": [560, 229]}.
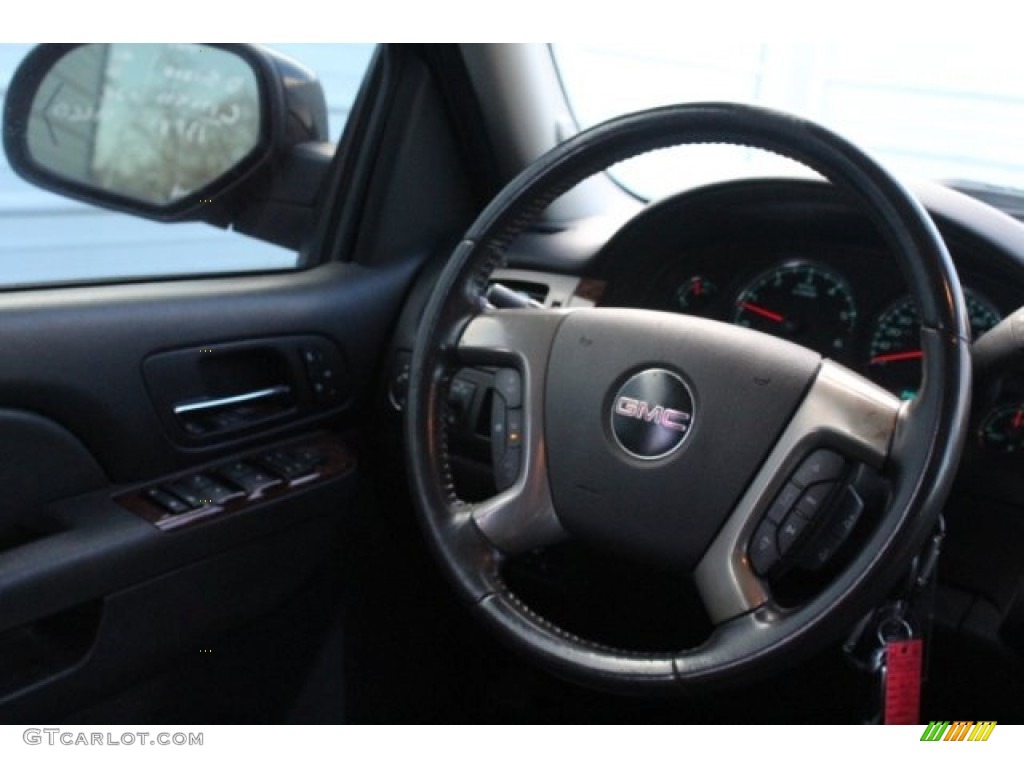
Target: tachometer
{"type": "Point", "coordinates": [895, 353]}
{"type": "Point", "coordinates": [804, 302]}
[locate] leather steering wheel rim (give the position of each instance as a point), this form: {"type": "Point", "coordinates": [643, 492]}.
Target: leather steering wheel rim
{"type": "Point", "coordinates": [922, 440]}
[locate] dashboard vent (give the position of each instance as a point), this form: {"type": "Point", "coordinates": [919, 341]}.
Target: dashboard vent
{"type": "Point", "coordinates": [536, 291]}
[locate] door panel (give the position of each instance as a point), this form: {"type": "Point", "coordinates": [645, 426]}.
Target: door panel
{"type": "Point", "coordinates": [100, 585]}
{"type": "Point", "coordinates": [139, 602]}
{"type": "Point", "coordinates": [93, 590]}
{"type": "Point", "coordinates": [56, 343]}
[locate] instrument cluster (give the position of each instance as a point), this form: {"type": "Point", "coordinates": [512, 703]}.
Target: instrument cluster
{"type": "Point", "coordinates": [796, 260]}
{"type": "Point", "coordinates": [811, 303]}
{"type": "Point", "coordinates": [848, 303]}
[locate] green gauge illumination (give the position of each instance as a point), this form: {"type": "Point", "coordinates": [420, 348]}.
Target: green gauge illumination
{"type": "Point", "coordinates": [1003, 428]}
{"type": "Point", "coordinates": [894, 356]}
{"type": "Point", "coordinates": [803, 302]}
{"type": "Point", "coordinates": [695, 294]}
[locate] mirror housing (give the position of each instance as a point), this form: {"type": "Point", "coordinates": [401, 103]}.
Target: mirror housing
{"type": "Point", "coordinates": [167, 132]}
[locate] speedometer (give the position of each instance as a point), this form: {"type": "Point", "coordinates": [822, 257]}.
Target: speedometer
{"type": "Point", "coordinates": [801, 301]}
{"type": "Point", "coordinates": [895, 353]}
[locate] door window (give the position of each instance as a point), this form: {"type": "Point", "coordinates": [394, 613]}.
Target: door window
{"type": "Point", "coordinates": [51, 239]}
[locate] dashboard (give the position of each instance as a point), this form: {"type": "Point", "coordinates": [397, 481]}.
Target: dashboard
{"type": "Point", "coordinates": [842, 302]}
{"type": "Point", "coordinates": [796, 260]}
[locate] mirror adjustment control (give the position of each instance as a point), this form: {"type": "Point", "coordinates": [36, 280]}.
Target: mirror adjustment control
{"type": "Point", "coordinates": [323, 375]}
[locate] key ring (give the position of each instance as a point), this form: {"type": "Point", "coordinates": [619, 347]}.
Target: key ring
{"type": "Point", "coordinates": [894, 628]}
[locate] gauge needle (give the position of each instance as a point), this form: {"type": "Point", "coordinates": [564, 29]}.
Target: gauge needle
{"type": "Point", "coordinates": [1018, 417]}
{"type": "Point", "coordinates": [895, 357]}
{"type": "Point", "coordinates": [775, 317]}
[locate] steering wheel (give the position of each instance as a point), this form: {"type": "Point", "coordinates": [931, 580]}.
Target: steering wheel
{"type": "Point", "coordinates": [684, 441]}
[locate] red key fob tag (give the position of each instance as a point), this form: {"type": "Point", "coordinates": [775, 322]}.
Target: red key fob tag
{"type": "Point", "coordinates": [903, 681]}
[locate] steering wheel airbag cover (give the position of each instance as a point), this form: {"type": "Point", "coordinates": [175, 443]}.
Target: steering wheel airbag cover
{"type": "Point", "coordinates": [665, 510]}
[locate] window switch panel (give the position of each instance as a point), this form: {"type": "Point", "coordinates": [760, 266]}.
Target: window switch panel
{"type": "Point", "coordinates": [167, 501]}
{"type": "Point", "coordinates": [251, 479]}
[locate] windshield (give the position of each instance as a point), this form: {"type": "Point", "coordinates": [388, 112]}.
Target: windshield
{"type": "Point", "coordinates": [944, 113]}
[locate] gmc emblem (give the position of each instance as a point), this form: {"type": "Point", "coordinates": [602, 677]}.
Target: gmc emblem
{"type": "Point", "coordinates": [669, 418]}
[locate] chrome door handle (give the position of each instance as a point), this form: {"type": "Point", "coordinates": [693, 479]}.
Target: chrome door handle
{"type": "Point", "coordinates": [223, 402]}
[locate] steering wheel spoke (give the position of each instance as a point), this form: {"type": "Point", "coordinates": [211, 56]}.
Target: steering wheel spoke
{"type": "Point", "coordinates": [522, 517]}
{"type": "Point", "coordinates": [520, 337]}
{"type": "Point", "coordinates": [842, 416]}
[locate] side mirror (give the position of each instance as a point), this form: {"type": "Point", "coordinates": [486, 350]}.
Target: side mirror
{"type": "Point", "coordinates": [165, 131]}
